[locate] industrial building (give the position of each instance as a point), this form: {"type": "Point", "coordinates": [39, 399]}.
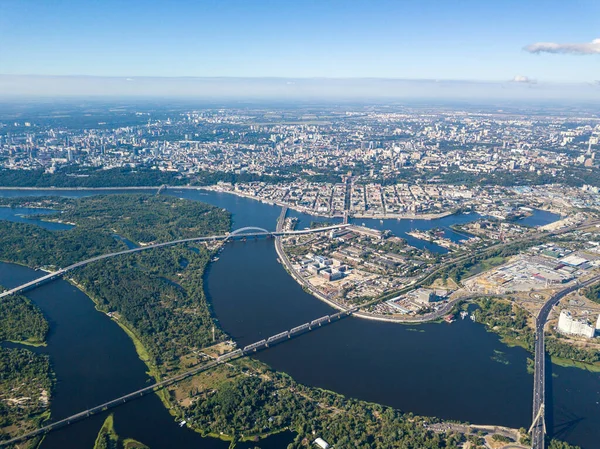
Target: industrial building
{"type": "Point", "coordinates": [422, 296]}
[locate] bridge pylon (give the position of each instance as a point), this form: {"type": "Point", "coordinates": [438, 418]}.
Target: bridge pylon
{"type": "Point", "coordinates": [540, 415]}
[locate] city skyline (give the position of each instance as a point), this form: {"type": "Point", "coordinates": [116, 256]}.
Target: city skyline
{"type": "Point", "coordinates": [271, 224]}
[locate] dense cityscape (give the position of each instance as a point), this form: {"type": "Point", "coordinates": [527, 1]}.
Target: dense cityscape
{"type": "Point", "coordinates": [373, 142]}
{"type": "Point", "coordinates": [299, 225]}
{"type": "Point", "coordinates": [425, 212]}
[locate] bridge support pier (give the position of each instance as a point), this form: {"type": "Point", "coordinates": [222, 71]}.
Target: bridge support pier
{"type": "Point", "coordinates": [538, 417]}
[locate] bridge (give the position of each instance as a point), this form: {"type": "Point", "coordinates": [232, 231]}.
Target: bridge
{"type": "Point", "coordinates": [538, 426]}
{"type": "Point", "coordinates": [222, 359]}
{"type": "Point", "coordinates": [240, 233]}
{"type": "Point", "coordinates": [249, 231]}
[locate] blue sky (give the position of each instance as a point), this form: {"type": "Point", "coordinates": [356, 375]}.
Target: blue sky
{"type": "Point", "coordinates": [424, 39]}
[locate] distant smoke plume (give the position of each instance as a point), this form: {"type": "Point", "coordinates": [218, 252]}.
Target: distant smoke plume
{"type": "Point", "coordinates": [590, 48]}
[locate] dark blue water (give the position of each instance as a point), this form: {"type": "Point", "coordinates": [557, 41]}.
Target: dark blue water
{"type": "Point", "coordinates": [400, 228]}
{"type": "Point", "coordinates": [440, 370]}
{"type": "Point", "coordinates": [539, 218]}
{"type": "Point", "coordinates": [20, 215]}
{"type": "Point", "coordinates": [450, 371]}
{"type": "Point", "coordinates": [94, 362]}
{"type": "Point", "coordinates": [458, 371]}
{"type": "Point", "coordinates": [248, 212]}
{"type": "Point", "coordinates": [128, 243]}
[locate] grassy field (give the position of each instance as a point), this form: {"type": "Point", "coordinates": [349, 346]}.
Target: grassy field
{"type": "Point", "coordinates": [592, 367]}
{"type": "Point", "coordinates": [485, 265]}
{"type": "Point", "coordinates": [107, 437]}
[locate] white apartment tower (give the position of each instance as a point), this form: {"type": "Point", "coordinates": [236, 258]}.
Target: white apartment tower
{"type": "Point", "coordinates": [571, 326]}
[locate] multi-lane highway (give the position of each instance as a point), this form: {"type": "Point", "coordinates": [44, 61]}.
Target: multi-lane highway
{"type": "Point", "coordinates": [538, 427]}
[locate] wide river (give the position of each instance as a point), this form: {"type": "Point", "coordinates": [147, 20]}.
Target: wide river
{"type": "Point", "coordinates": [456, 371]}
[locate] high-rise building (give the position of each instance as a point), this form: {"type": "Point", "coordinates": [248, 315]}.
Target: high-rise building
{"type": "Point", "coordinates": [572, 326]}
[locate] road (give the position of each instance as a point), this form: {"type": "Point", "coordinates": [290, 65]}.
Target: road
{"type": "Point", "coordinates": [297, 276]}
{"type": "Point", "coordinates": [538, 431]}
{"type": "Point", "coordinates": [473, 429]}
{"type": "Point", "coordinates": [222, 237]}
{"type": "Point", "coordinates": [436, 315]}
{"type": "Point", "coordinates": [102, 407]}
{"type": "Point", "coordinates": [225, 358]}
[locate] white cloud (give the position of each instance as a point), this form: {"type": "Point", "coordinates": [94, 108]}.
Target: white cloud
{"type": "Point", "coordinates": [590, 48]}
{"type": "Point", "coordinates": [523, 79]}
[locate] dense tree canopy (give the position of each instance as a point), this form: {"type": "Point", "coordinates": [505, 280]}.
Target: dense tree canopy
{"type": "Point", "coordinates": [25, 385]}
{"type": "Point", "coordinates": [21, 321]}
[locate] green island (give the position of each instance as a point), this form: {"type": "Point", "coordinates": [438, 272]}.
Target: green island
{"type": "Point", "coordinates": [171, 316]}
{"type": "Point", "coordinates": [22, 322]}
{"type": "Point", "coordinates": [26, 378]}
{"type": "Point", "coordinates": [108, 438]}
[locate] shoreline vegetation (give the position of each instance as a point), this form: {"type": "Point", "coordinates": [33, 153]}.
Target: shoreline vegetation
{"type": "Point", "coordinates": [137, 217]}
{"type": "Point", "coordinates": [512, 323]}
{"type": "Point", "coordinates": [241, 401]}
{"type": "Point", "coordinates": [26, 377]}
{"type": "Point", "coordinates": [168, 281]}
{"type": "Point", "coordinates": [108, 438]}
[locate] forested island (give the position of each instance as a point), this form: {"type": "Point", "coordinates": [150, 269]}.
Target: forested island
{"type": "Point", "coordinates": [157, 297]}
{"type": "Point", "coordinates": [143, 291]}
{"type": "Point", "coordinates": [26, 378]}
{"type": "Point", "coordinates": [22, 322]}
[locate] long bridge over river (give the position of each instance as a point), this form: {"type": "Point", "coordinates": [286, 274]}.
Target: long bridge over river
{"type": "Point", "coordinates": [538, 426]}
{"type": "Point", "coordinates": [225, 358]}
{"type": "Point", "coordinates": [537, 430]}
{"type": "Point", "coordinates": [242, 233]}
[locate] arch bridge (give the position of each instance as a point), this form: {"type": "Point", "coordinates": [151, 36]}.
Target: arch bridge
{"type": "Point", "coordinates": [248, 231]}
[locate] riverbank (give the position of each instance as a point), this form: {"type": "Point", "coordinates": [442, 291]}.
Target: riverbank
{"type": "Point", "coordinates": [512, 324]}
{"type": "Point", "coordinates": [108, 438]}
{"type": "Point", "coordinates": [285, 261]}
{"type": "Point", "coordinates": [263, 300]}
{"type": "Point", "coordinates": [140, 349]}
{"type": "Point", "coordinates": [315, 213]}
{"type": "Point", "coordinates": [33, 344]}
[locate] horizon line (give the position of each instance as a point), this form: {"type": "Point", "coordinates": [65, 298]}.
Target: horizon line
{"type": "Point", "coordinates": [305, 78]}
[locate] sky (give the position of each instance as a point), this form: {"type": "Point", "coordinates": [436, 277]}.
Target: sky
{"type": "Point", "coordinates": [528, 42]}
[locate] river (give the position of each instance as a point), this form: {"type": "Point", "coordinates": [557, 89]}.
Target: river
{"type": "Point", "coordinates": [456, 371]}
